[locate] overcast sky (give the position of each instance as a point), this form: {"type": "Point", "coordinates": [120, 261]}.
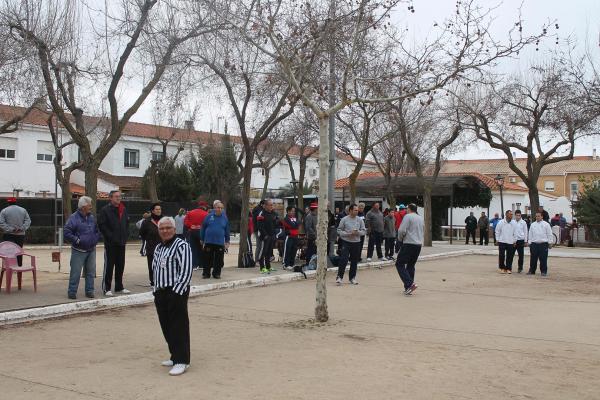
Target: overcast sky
{"type": "Point", "coordinates": [577, 19]}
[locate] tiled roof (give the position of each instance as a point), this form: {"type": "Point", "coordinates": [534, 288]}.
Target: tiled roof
{"type": "Point", "coordinates": [137, 129]}
{"type": "Point", "coordinates": [80, 191]}
{"type": "Point", "coordinates": [488, 181]}
{"type": "Point", "coordinates": [579, 164]}
{"type": "Point", "coordinates": [123, 182]}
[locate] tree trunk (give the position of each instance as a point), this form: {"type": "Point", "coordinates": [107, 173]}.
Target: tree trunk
{"type": "Point", "coordinates": [321, 313]}
{"type": "Point", "coordinates": [301, 178]}
{"type": "Point", "coordinates": [90, 170]}
{"type": "Point", "coordinates": [427, 218]}
{"type": "Point", "coordinates": [534, 198]}
{"type": "Point", "coordinates": [352, 183]}
{"type": "Point", "coordinates": [65, 188]}
{"type": "Point", "coordinates": [152, 191]}
{"type": "Point", "coordinates": [266, 184]}
{"type": "Point", "coordinates": [246, 181]}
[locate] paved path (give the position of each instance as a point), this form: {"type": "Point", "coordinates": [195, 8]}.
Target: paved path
{"type": "Point", "coordinates": [467, 333]}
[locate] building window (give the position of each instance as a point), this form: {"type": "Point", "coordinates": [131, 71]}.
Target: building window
{"type": "Point", "coordinates": [549, 186]}
{"type": "Point", "coordinates": [132, 158]}
{"type": "Point", "coordinates": [574, 188]}
{"type": "Point", "coordinates": [157, 156]}
{"type": "Point", "coordinates": [45, 151]}
{"type": "Point", "coordinates": [7, 154]}
{"type": "Point", "coordinates": [512, 179]}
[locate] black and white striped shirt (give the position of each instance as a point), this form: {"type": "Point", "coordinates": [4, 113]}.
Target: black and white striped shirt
{"type": "Point", "coordinates": [172, 265]}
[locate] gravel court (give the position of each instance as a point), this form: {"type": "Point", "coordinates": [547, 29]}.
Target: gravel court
{"type": "Point", "coordinates": [476, 334]}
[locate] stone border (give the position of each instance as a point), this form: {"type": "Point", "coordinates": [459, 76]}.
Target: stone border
{"type": "Point", "coordinates": [108, 303]}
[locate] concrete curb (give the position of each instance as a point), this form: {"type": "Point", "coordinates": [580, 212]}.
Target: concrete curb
{"type": "Point", "coordinates": [67, 309]}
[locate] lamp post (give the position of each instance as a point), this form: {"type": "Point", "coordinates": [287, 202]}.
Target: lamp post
{"type": "Point", "coordinates": [294, 184]}
{"type": "Point", "coordinates": [499, 179]}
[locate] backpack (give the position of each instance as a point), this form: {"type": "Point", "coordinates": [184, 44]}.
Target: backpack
{"type": "Point", "coordinates": [248, 260]}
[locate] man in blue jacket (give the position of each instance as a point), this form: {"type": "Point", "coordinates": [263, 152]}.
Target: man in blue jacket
{"type": "Point", "coordinates": [82, 232]}
{"type": "Point", "coordinates": [214, 236]}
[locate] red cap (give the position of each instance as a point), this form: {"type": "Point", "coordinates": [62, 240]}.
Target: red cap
{"type": "Point", "coordinates": [11, 200]}
{"type": "Point", "coordinates": [314, 205]}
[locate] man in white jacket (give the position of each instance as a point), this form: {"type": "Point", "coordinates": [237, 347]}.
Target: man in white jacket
{"type": "Point", "coordinates": [540, 239]}
{"type": "Point", "coordinates": [507, 237]}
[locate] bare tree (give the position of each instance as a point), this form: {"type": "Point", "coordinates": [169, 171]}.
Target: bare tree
{"type": "Point", "coordinates": [271, 152]}
{"type": "Point", "coordinates": [540, 116]}
{"type": "Point", "coordinates": [298, 37]}
{"type": "Point", "coordinates": [133, 47]}
{"type": "Point", "coordinates": [259, 98]}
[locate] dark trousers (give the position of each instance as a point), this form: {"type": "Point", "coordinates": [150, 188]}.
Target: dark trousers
{"type": "Point", "coordinates": [149, 259]}
{"type": "Point", "coordinates": [539, 251]}
{"type": "Point", "coordinates": [389, 247]}
{"type": "Point", "coordinates": [519, 248]}
{"type": "Point", "coordinates": [114, 260]}
{"type": "Point", "coordinates": [290, 249]}
{"type": "Point", "coordinates": [405, 263]}
{"type": "Point", "coordinates": [266, 252]}
{"type": "Point", "coordinates": [505, 255]}
{"type": "Point", "coordinates": [311, 249]}
{"type": "Point", "coordinates": [398, 246]}
{"type": "Point", "coordinates": [470, 233]}
{"type": "Point", "coordinates": [196, 248]}
{"type": "Point", "coordinates": [350, 252]}
{"type": "Point", "coordinates": [214, 255]}
{"type": "Point", "coordinates": [375, 239]}
{"type": "Point", "coordinates": [172, 313]}
{"type": "Point", "coordinates": [18, 240]}
{"type": "Point", "coordinates": [483, 236]}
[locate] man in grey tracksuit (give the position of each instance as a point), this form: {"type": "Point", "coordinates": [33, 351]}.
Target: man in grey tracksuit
{"type": "Point", "coordinates": [14, 222]}
{"type": "Point", "coordinates": [350, 230]}
{"type": "Point", "coordinates": [374, 223]}
{"type": "Point", "coordinates": [410, 234]}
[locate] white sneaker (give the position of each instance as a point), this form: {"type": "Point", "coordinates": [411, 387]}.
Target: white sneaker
{"type": "Point", "coordinates": [338, 280]}
{"type": "Point", "coordinates": [124, 291]}
{"type": "Point", "coordinates": [369, 260]}
{"type": "Point", "coordinates": [109, 294]}
{"type": "Point", "coordinates": [353, 282]}
{"type": "Point", "coordinates": [178, 369]}
{"type": "Point", "coordinates": [167, 363]}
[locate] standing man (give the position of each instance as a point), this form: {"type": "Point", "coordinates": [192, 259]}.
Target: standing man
{"type": "Point", "coordinates": [180, 224]}
{"type": "Point", "coordinates": [290, 248]}
{"type": "Point", "coordinates": [259, 243]}
{"type": "Point", "coordinates": [374, 224]}
{"type": "Point", "coordinates": [520, 238]}
{"type": "Point", "coordinates": [150, 236]}
{"type": "Point", "coordinates": [310, 228]}
{"type": "Point", "coordinates": [267, 224]}
{"type": "Point", "coordinates": [493, 225]}
{"type": "Point", "coordinates": [361, 215]}
{"type": "Point", "coordinates": [389, 233]}
{"type": "Point", "coordinates": [540, 239]}
{"type": "Point", "coordinates": [545, 215]}
{"type": "Point", "coordinates": [411, 236]}
{"type": "Point", "coordinates": [399, 215]}
{"type": "Point", "coordinates": [193, 222]}
{"type": "Point", "coordinates": [350, 230]}
{"type": "Point", "coordinates": [113, 224]}
{"type": "Point", "coordinates": [14, 222]}
{"type": "Point", "coordinates": [172, 266]}
{"type": "Point", "coordinates": [82, 232]}
{"type": "Point", "coordinates": [506, 235]}
{"type": "Point", "coordinates": [471, 227]}
{"type": "Point", "coordinates": [214, 236]}
{"type": "Point", "coordinates": [484, 225]}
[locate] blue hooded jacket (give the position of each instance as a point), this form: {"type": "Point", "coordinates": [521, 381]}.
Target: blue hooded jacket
{"type": "Point", "coordinates": [82, 232]}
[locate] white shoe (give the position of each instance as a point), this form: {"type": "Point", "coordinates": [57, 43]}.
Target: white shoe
{"type": "Point", "coordinates": [167, 363]}
{"type": "Point", "coordinates": [369, 260]}
{"type": "Point", "coordinates": [353, 282]}
{"type": "Point", "coordinates": [338, 280]}
{"type": "Point", "coordinates": [178, 369]}
{"type": "Point", "coordinates": [109, 294]}
{"type": "Point", "coordinates": [124, 291]}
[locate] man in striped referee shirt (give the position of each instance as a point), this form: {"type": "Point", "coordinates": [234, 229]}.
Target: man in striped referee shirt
{"type": "Point", "coordinates": [172, 268]}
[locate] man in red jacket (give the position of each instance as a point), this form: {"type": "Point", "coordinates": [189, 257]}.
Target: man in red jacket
{"type": "Point", "coordinates": [399, 215]}
{"type": "Point", "coordinates": [193, 222]}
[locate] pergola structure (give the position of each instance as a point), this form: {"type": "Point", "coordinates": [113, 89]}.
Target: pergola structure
{"type": "Point", "coordinates": [469, 190]}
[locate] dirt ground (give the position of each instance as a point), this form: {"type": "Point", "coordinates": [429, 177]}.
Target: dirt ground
{"type": "Point", "coordinates": [467, 333]}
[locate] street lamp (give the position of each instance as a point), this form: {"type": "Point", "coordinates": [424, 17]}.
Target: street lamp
{"type": "Point", "coordinates": [294, 184]}
{"type": "Point", "coordinates": [499, 179]}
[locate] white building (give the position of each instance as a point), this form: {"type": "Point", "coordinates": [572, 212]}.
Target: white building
{"type": "Point", "coordinates": [27, 168]}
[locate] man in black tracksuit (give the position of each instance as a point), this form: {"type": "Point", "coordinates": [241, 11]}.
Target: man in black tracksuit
{"type": "Point", "coordinates": [113, 224]}
{"type": "Point", "coordinates": [267, 224]}
{"type": "Point", "coordinates": [257, 239]}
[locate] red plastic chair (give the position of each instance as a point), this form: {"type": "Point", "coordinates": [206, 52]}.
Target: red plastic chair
{"type": "Point", "coordinates": [8, 253]}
